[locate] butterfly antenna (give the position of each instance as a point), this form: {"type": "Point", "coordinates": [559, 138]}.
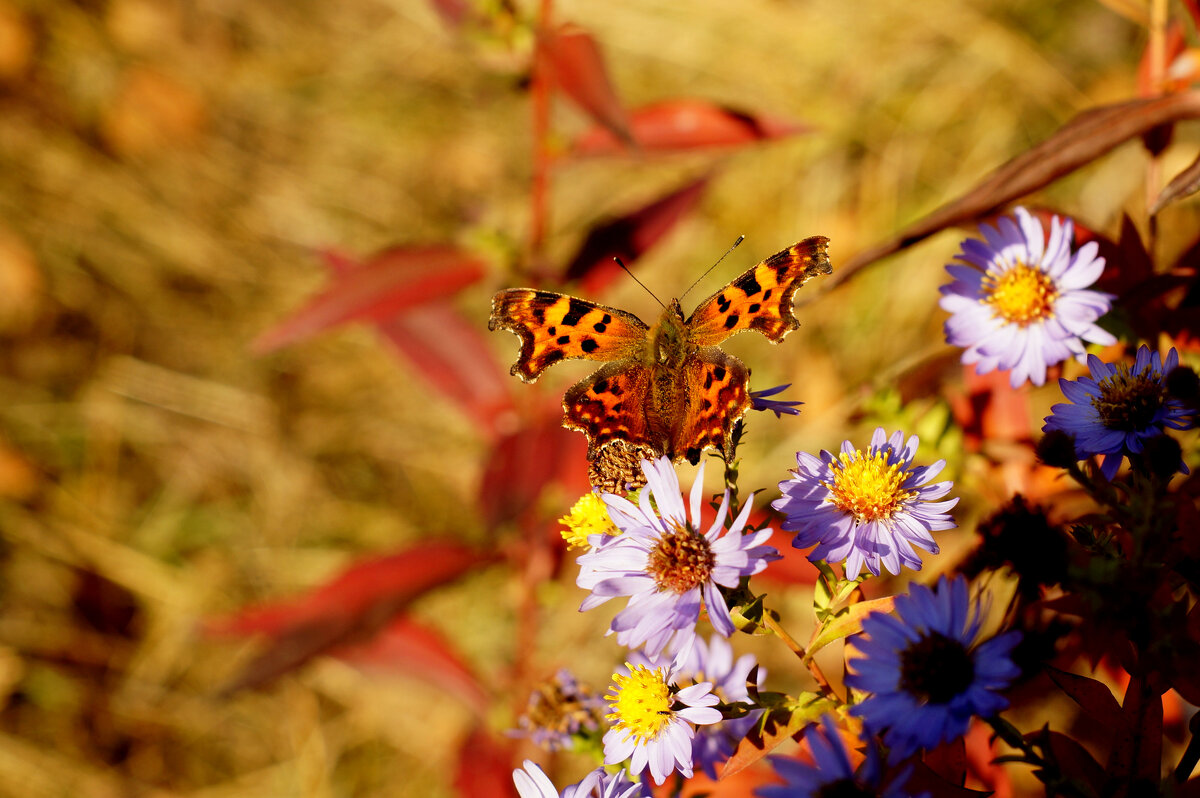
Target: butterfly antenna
{"type": "Point", "coordinates": [740, 239]}
{"type": "Point", "coordinates": [639, 282]}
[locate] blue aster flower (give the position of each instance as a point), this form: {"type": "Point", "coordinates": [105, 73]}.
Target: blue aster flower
{"type": "Point", "coordinates": [1019, 303]}
{"type": "Point", "coordinates": [868, 509]}
{"type": "Point", "coordinates": [1119, 408]}
{"type": "Point", "coordinates": [759, 401]}
{"type": "Point", "coordinates": [924, 670]}
{"type": "Point", "coordinates": [532, 782]}
{"type": "Point", "coordinates": [831, 772]}
{"type": "Point", "coordinates": [669, 563]}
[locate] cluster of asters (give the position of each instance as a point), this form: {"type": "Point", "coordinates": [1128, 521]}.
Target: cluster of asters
{"type": "Point", "coordinates": [1020, 303]}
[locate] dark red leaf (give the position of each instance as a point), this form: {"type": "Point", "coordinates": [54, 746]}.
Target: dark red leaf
{"type": "Point", "coordinates": [1184, 184]}
{"type": "Point", "coordinates": [630, 236]}
{"type": "Point", "coordinates": [949, 761]}
{"type": "Point", "coordinates": [392, 281]}
{"type": "Point", "coordinates": [1076, 763]}
{"type": "Point", "coordinates": [1093, 697]}
{"type": "Point", "coordinates": [687, 124]}
{"type": "Point", "coordinates": [349, 609]}
{"type": "Point", "coordinates": [1082, 140]}
{"type": "Point", "coordinates": [406, 646]}
{"type": "Point", "coordinates": [1127, 264]}
{"type": "Point", "coordinates": [923, 780]}
{"type": "Point", "coordinates": [574, 60]}
{"type": "Point", "coordinates": [524, 462]}
{"type": "Point", "coordinates": [453, 356]}
{"type": "Point", "coordinates": [485, 766]}
{"type": "Point", "coordinates": [1137, 744]}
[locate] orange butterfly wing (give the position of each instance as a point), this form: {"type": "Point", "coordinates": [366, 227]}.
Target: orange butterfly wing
{"type": "Point", "coordinates": [716, 396]}
{"type": "Point", "coordinates": [555, 327]}
{"type": "Point", "coordinates": [761, 298]}
{"type": "Point", "coordinates": [615, 403]}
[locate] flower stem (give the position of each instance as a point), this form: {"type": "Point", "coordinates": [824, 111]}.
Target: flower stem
{"type": "Point", "coordinates": [775, 626]}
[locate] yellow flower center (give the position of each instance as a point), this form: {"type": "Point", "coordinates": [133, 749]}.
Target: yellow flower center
{"type": "Point", "coordinates": [867, 488]}
{"type": "Point", "coordinates": [641, 702]}
{"type": "Point", "coordinates": [1021, 295]}
{"type": "Point", "coordinates": [589, 516]}
{"type": "Point", "coordinates": [682, 560]}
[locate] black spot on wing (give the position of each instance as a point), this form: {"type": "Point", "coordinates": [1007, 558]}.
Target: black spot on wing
{"type": "Point", "coordinates": [754, 308]}
{"type": "Point", "coordinates": [767, 295]}
{"type": "Point", "coordinates": [553, 356]}
{"type": "Point", "coordinates": [731, 322]}
{"type": "Point", "coordinates": [564, 339]}
{"type": "Point", "coordinates": [748, 284]}
{"type": "Point", "coordinates": [576, 310]}
{"type": "Point", "coordinates": [719, 373]}
{"type": "Point", "coordinates": [723, 304]}
{"type": "Point", "coordinates": [600, 387]}
{"type": "Point", "coordinates": [589, 345]}
{"type": "Point", "coordinates": [693, 454]}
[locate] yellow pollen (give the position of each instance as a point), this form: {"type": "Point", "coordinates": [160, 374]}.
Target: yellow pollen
{"type": "Point", "coordinates": [589, 516]}
{"type": "Point", "coordinates": [1021, 295]}
{"type": "Point", "coordinates": [867, 487]}
{"type": "Point", "coordinates": [640, 703]}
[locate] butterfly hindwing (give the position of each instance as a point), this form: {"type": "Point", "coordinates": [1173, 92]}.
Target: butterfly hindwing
{"type": "Point", "coordinates": [612, 405]}
{"type": "Point", "coordinates": [761, 298]}
{"type": "Point", "coordinates": [716, 398]}
{"type": "Point", "coordinates": [555, 327]}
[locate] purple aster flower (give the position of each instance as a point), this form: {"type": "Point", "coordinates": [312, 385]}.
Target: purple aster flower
{"type": "Point", "coordinates": [559, 710]}
{"type": "Point", "coordinates": [654, 722]}
{"type": "Point", "coordinates": [1119, 408]}
{"type": "Point", "coordinates": [867, 509]}
{"type": "Point", "coordinates": [668, 565]}
{"type": "Point", "coordinates": [831, 772]}
{"type": "Point", "coordinates": [532, 782]}
{"type": "Point", "coordinates": [759, 401]}
{"type": "Point", "coordinates": [926, 673]}
{"type": "Point", "coordinates": [1020, 302]}
{"type": "Point", "coordinates": [713, 661]}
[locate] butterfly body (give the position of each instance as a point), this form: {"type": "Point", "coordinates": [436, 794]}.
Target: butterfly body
{"type": "Point", "coordinates": [667, 389]}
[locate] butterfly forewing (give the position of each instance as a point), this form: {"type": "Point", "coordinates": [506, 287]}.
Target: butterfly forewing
{"type": "Point", "coordinates": [555, 327]}
{"type": "Point", "coordinates": [761, 298]}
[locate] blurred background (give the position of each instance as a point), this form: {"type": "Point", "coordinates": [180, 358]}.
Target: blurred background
{"type": "Point", "coordinates": [174, 176]}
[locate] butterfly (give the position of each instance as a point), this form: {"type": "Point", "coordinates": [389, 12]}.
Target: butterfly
{"type": "Point", "coordinates": [666, 389]}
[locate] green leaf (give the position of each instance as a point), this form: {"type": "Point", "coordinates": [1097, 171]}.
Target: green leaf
{"type": "Point", "coordinates": [779, 723]}
{"type": "Point", "coordinates": [848, 622]}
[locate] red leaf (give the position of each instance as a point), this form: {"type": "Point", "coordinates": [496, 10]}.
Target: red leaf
{"type": "Point", "coordinates": [524, 462]}
{"type": "Point", "coordinates": [1173, 45]}
{"type": "Point", "coordinates": [484, 768]}
{"type": "Point", "coordinates": [406, 646]}
{"type": "Point", "coordinates": [991, 410]}
{"type": "Point", "coordinates": [949, 760]}
{"type": "Point", "coordinates": [453, 356]}
{"type": "Point", "coordinates": [1080, 141]}
{"type": "Point", "coordinates": [981, 751]}
{"type": "Point", "coordinates": [351, 608]}
{"type": "Point", "coordinates": [1137, 745]}
{"type": "Point", "coordinates": [575, 61]}
{"type": "Point", "coordinates": [1076, 763]}
{"type": "Point", "coordinates": [392, 281]}
{"type": "Point", "coordinates": [1093, 697]}
{"type": "Point", "coordinates": [687, 124]}
{"type": "Point", "coordinates": [453, 12]}
{"type": "Point", "coordinates": [630, 236]}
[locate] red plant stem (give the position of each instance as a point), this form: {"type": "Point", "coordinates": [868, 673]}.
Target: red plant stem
{"type": "Point", "coordinates": [1158, 69]}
